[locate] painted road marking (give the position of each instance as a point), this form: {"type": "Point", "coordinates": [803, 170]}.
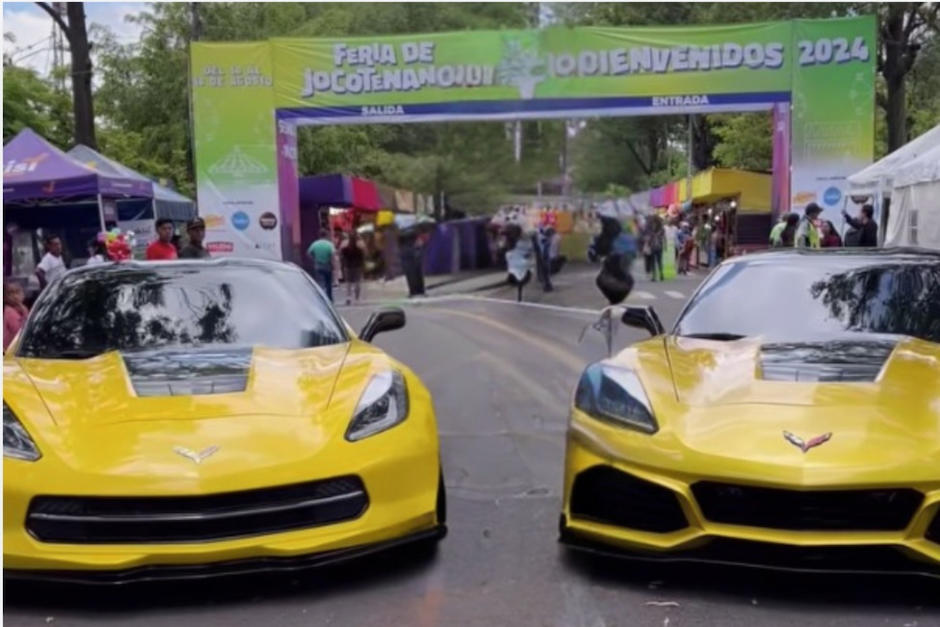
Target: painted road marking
{"type": "Point", "coordinates": [674, 294]}
{"type": "Point", "coordinates": [642, 295]}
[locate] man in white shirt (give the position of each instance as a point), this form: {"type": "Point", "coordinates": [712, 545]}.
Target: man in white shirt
{"type": "Point", "coordinates": [51, 267]}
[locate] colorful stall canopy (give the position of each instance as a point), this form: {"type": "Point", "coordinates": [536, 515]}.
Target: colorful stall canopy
{"type": "Point", "coordinates": [168, 203]}
{"type": "Point", "coordinates": [365, 195]}
{"type": "Point", "coordinates": [658, 197]}
{"type": "Point", "coordinates": [752, 189]}
{"type": "Point", "coordinates": [327, 190]}
{"type": "Point", "coordinates": [404, 201]}
{"type": "Point", "coordinates": [35, 171]}
{"type": "Point", "coordinates": [671, 195]}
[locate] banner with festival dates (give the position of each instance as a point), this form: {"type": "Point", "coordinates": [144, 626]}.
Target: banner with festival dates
{"type": "Point", "coordinates": [248, 98]}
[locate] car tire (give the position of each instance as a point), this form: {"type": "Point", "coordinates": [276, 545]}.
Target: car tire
{"type": "Point", "coordinates": [441, 500]}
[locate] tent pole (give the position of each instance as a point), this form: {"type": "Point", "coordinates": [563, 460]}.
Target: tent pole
{"type": "Point", "coordinates": [101, 213]}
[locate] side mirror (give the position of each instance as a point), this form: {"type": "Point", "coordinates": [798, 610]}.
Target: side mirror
{"type": "Point", "coordinates": [390, 319]}
{"type": "Point", "coordinates": [643, 318]}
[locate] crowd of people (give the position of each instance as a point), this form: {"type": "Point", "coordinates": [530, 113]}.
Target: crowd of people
{"type": "Point", "coordinates": [810, 231]}
{"type": "Point", "coordinates": [346, 261]}
{"type": "Point", "coordinates": [52, 265]}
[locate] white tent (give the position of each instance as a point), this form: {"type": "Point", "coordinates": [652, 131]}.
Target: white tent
{"type": "Point", "coordinates": [915, 202]}
{"type": "Point", "coordinates": [879, 176]}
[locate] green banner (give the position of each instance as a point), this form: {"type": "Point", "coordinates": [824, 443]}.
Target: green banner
{"type": "Point", "coordinates": [817, 75]}
{"type": "Point", "coordinates": [522, 65]}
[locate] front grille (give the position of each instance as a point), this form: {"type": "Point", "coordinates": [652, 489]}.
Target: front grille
{"type": "Point", "coordinates": [124, 519]}
{"type": "Point", "coordinates": [607, 495]}
{"type": "Point", "coordinates": [933, 531]}
{"type": "Point", "coordinates": [811, 510]}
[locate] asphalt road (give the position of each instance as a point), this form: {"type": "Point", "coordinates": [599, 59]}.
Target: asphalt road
{"type": "Point", "coordinates": [501, 375]}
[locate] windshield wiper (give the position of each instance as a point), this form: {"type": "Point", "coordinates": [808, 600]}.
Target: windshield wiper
{"type": "Point", "coordinates": [719, 337]}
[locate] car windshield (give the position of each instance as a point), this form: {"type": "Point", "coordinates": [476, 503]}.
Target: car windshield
{"type": "Point", "coordinates": [138, 308]}
{"type": "Point", "coordinates": [805, 298]}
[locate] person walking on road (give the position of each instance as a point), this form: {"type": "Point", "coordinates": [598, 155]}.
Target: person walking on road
{"type": "Point", "coordinates": [866, 228]}
{"type": "Point", "coordinates": [196, 229]}
{"type": "Point", "coordinates": [323, 254]}
{"type": "Point", "coordinates": [807, 234]}
{"type": "Point", "coordinates": [656, 240]}
{"type": "Point", "coordinates": [163, 249]}
{"type": "Point", "coordinates": [353, 258]}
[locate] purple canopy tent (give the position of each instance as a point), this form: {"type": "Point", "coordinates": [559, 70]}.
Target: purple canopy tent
{"type": "Point", "coordinates": [36, 172]}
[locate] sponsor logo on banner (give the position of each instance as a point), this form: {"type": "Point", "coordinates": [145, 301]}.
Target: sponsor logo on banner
{"type": "Point", "coordinates": [15, 168]}
{"type": "Point", "coordinates": [214, 221]}
{"type": "Point", "coordinates": [804, 198]}
{"type": "Point", "coordinates": [832, 196]}
{"type": "Point", "coordinates": [240, 220]}
{"type": "Point", "coordinates": [267, 220]}
{"type": "Point", "coordinates": [220, 247]}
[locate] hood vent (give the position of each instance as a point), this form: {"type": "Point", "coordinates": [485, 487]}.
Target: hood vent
{"type": "Point", "coordinates": [844, 361]}
{"type": "Point", "coordinates": [189, 373]}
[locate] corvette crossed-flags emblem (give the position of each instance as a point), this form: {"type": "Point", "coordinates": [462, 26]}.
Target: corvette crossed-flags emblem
{"type": "Point", "coordinates": [804, 446]}
{"type": "Point", "coordinates": [193, 456]}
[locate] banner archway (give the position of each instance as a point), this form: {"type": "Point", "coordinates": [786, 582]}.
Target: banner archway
{"type": "Point", "coordinates": [816, 76]}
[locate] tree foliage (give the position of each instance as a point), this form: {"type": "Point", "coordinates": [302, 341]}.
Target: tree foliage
{"type": "Point", "coordinates": [142, 93]}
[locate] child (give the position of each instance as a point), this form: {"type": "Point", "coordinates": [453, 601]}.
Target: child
{"type": "Point", "coordinates": [14, 311]}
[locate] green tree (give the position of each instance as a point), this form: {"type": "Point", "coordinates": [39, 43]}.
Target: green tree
{"type": "Point", "coordinates": [745, 141]}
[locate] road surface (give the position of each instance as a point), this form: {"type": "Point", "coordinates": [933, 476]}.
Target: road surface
{"type": "Point", "coordinates": [501, 375]}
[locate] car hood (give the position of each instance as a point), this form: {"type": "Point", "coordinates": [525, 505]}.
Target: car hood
{"type": "Point", "coordinates": [864, 371]}
{"type": "Point", "coordinates": [120, 387]}
{"type": "Point", "coordinates": [124, 416]}
{"type": "Point", "coordinates": [726, 405]}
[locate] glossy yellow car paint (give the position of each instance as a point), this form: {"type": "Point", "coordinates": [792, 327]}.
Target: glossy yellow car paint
{"type": "Point", "coordinates": [719, 421]}
{"type": "Point", "coordinates": [98, 438]}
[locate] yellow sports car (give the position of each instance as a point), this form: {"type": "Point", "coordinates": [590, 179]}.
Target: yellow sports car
{"type": "Point", "coordinates": [183, 419]}
{"type": "Point", "coordinates": [790, 420]}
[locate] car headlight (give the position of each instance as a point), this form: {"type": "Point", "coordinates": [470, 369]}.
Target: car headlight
{"type": "Point", "coordinates": [615, 394]}
{"type": "Point", "coordinates": [16, 441]}
{"type": "Point", "coordinates": [383, 405]}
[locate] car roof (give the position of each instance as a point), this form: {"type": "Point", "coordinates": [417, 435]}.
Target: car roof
{"type": "Point", "coordinates": [838, 256]}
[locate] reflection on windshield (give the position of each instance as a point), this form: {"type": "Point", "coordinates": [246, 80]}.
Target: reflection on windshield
{"type": "Point", "coordinates": [794, 300]}
{"type": "Point", "coordinates": [901, 299]}
{"type": "Point", "coordinates": [133, 309]}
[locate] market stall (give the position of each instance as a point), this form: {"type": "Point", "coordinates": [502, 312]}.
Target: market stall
{"type": "Point", "coordinates": [46, 191]}
{"type": "Point", "coordinates": [876, 183]}
{"type": "Point", "coordinates": [137, 214]}
{"type": "Point", "coordinates": [915, 198]}
{"type": "Point", "coordinates": [736, 204]}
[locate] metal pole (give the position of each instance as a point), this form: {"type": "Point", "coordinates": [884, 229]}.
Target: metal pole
{"type": "Point", "coordinates": [104, 227]}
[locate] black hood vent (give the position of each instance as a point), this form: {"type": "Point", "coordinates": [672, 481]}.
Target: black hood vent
{"type": "Point", "coordinates": [850, 361]}
{"type": "Point", "coordinates": [191, 372]}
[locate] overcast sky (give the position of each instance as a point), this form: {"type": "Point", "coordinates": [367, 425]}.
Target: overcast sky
{"type": "Point", "coordinates": [33, 28]}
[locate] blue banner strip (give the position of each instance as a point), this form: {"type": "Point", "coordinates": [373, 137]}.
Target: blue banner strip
{"type": "Point", "coordinates": [545, 105]}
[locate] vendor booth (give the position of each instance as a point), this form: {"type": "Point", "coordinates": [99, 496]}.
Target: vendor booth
{"type": "Point", "coordinates": [737, 203]}
{"type": "Point", "coordinates": [138, 214]}
{"type": "Point", "coordinates": [46, 191]}
{"type": "Point", "coordinates": [876, 183]}
{"type": "Point", "coordinates": [915, 203]}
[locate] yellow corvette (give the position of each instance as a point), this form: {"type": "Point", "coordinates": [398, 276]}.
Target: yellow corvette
{"type": "Point", "coordinates": [790, 420]}
{"type": "Point", "coordinates": [185, 419]}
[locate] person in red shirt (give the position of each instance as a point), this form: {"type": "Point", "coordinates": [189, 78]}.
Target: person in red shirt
{"type": "Point", "coordinates": [162, 249]}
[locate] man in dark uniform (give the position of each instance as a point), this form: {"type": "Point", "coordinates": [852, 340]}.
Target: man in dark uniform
{"type": "Point", "coordinates": [196, 229]}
